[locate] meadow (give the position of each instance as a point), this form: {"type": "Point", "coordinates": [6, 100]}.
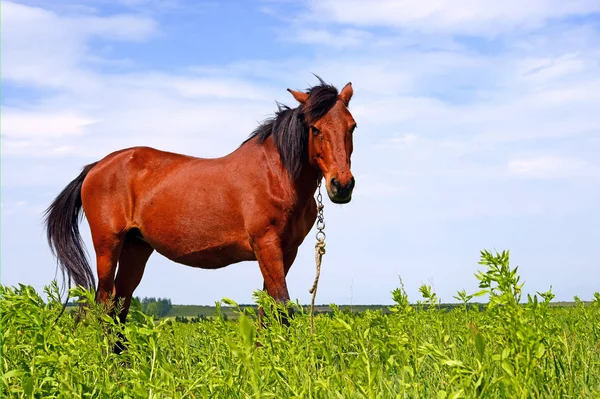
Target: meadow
{"type": "Point", "coordinates": [516, 346]}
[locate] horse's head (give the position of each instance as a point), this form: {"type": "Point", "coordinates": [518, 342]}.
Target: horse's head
{"type": "Point", "coordinates": [330, 127]}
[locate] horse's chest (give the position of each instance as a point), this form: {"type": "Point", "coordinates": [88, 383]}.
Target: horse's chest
{"type": "Point", "coordinates": [297, 226]}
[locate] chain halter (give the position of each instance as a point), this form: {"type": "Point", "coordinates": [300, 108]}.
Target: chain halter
{"type": "Point", "coordinates": [319, 252]}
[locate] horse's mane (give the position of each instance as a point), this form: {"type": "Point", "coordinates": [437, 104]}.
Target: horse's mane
{"type": "Point", "coordinates": [289, 128]}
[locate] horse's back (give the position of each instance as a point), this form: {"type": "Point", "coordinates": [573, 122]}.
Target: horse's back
{"type": "Point", "coordinates": [188, 208]}
{"type": "Point", "coordinates": [116, 174]}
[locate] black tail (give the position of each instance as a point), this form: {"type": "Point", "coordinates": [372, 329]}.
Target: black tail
{"type": "Point", "coordinates": [62, 224]}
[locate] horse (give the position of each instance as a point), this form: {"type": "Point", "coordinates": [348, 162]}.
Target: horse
{"type": "Point", "coordinates": [254, 204]}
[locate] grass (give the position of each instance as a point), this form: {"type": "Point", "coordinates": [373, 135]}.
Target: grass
{"type": "Point", "coordinates": [231, 312]}
{"type": "Point", "coordinates": [191, 311]}
{"type": "Point", "coordinates": [509, 349]}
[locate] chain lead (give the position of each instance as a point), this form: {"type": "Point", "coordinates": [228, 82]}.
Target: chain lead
{"type": "Point", "coordinates": [319, 252]}
{"type": "Point", "coordinates": [320, 218]}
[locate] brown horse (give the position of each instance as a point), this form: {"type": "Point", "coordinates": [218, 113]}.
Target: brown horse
{"type": "Point", "coordinates": [257, 203]}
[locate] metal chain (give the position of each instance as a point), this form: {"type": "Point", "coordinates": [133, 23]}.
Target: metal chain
{"type": "Point", "coordinates": [320, 218]}
{"type": "Point", "coordinates": [319, 252]}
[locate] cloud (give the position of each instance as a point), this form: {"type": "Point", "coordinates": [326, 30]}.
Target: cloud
{"type": "Point", "coordinates": [550, 167]}
{"type": "Point", "coordinates": [43, 49]}
{"type": "Point", "coordinates": [193, 85]}
{"type": "Point", "coordinates": [547, 69]}
{"type": "Point", "coordinates": [406, 139]}
{"type": "Point", "coordinates": [18, 124]}
{"type": "Point", "coordinates": [340, 39]}
{"type": "Point", "coordinates": [464, 17]}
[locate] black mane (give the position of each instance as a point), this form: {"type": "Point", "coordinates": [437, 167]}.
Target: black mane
{"type": "Point", "coordinates": [290, 129]}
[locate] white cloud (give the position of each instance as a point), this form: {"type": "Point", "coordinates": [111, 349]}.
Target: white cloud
{"type": "Point", "coordinates": [341, 39]}
{"type": "Point", "coordinates": [41, 48]}
{"type": "Point", "coordinates": [406, 139]}
{"type": "Point", "coordinates": [450, 16]}
{"type": "Point", "coordinates": [193, 86]}
{"type": "Point", "coordinates": [18, 124]}
{"type": "Point", "coordinates": [117, 27]}
{"type": "Point", "coordinates": [549, 167]}
{"type": "Point", "coordinates": [548, 69]}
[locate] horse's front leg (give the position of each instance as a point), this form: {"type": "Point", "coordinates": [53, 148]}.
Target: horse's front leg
{"type": "Point", "coordinates": [271, 260]}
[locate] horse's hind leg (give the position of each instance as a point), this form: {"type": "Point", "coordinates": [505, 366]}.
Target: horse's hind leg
{"type": "Point", "coordinates": [132, 262]}
{"type": "Point", "coordinates": [107, 246]}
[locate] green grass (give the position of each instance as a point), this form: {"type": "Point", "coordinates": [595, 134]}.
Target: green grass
{"type": "Point", "coordinates": [232, 313]}
{"type": "Point", "coordinates": [507, 350]}
{"type": "Point", "coordinates": [190, 311]}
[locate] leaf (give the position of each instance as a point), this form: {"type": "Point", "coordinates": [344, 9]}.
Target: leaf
{"type": "Point", "coordinates": [453, 363]}
{"type": "Point", "coordinates": [366, 333]}
{"type": "Point", "coordinates": [28, 386]}
{"type": "Point", "coordinates": [247, 330]}
{"type": "Point", "coordinates": [13, 373]}
{"type": "Point", "coordinates": [457, 394]}
{"type": "Point", "coordinates": [480, 345]}
{"type": "Point", "coordinates": [508, 368]}
{"type": "Point", "coordinates": [343, 324]}
{"type": "Point", "coordinates": [540, 351]}
{"type": "Point", "coordinates": [229, 301]}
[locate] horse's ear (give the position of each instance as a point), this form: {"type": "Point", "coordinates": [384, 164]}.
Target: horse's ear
{"type": "Point", "coordinates": [346, 93]}
{"type": "Point", "coordinates": [299, 96]}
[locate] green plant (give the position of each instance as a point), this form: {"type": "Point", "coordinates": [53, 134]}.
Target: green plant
{"type": "Point", "coordinates": [511, 348]}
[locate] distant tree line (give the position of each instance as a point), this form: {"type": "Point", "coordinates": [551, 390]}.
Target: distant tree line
{"type": "Point", "coordinates": [195, 319]}
{"type": "Point", "coordinates": [157, 307]}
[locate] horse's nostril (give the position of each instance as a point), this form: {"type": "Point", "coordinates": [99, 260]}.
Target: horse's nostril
{"type": "Point", "coordinates": [351, 184]}
{"type": "Point", "coordinates": [335, 184]}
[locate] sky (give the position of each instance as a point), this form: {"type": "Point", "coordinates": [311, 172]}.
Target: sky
{"type": "Point", "coordinates": [478, 128]}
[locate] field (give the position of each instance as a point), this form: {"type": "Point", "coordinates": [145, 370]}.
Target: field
{"type": "Point", "coordinates": [515, 346]}
{"type": "Point", "coordinates": [190, 311]}
{"type": "Point", "coordinates": [194, 311]}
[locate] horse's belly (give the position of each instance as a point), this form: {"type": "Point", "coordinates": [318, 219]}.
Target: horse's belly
{"type": "Point", "coordinates": [214, 258]}
{"type": "Point", "coordinates": [208, 256]}
{"type": "Point", "coordinates": [205, 246]}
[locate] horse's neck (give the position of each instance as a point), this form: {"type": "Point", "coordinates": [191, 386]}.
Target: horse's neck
{"type": "Point", "coordinates": [302, 187]}
{"type": "Point", "coordinates": [306, 184]}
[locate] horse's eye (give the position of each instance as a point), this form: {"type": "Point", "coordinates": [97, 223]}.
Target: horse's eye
{"type": "Point", "coordinates": [315, 131]}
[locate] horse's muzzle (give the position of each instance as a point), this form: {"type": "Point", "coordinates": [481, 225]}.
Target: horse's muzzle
{"type": "Point", "coordinates": [341, 193]}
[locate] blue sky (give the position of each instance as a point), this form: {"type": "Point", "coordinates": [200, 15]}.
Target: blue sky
{"type": "Point", "coordinates": [478, 128]}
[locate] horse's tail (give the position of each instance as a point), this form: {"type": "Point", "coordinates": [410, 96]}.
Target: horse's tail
{"type": "Point", "coordinates": [62, 230]}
